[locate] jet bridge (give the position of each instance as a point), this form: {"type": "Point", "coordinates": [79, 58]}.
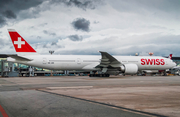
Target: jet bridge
{"type": "Point", "coordinates": [7, 69]}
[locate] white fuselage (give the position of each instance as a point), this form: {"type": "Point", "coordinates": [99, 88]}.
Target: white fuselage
{"type": "Point", "coordinates": [89, 62]}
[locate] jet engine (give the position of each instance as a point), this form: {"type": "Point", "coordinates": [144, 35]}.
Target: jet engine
{"type": "Point", "coordinates": [129, 68]}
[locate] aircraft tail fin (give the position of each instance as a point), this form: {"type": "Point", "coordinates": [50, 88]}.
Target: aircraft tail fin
{"type": "Point", "coordinates": [20, 45]}
{"type": "Point", "coordinates": [170, 56]}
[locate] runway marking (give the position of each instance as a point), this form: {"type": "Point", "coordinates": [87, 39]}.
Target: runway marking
{"type": "Point", "coordinates": [3, 112]}
{"type": "Point", "coordinates": [69, 87]}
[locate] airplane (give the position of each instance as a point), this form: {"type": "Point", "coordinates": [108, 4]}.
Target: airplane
{"type": "Point", "coordinates": [105, 64]}
{"type": "Point", "coordinates": [170, 56]}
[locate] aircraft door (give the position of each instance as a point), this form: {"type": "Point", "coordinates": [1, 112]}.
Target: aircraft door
{"type": "Point", "coordinates": [78, 61]}
{"type": "Point", "coordinates": [166, 62]}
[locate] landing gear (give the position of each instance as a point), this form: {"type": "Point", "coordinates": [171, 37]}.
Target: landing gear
{"type": "Point", "coordinates": [99, 75]}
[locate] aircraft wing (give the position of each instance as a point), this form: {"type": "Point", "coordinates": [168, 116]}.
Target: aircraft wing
{"type": "Point", "coordinates": [19, 58]}
{"type": "Point", "coordinates": [108, 61]}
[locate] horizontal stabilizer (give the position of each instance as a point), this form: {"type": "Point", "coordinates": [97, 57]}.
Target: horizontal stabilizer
{"type": "Point", "coordinates": [19, 58]}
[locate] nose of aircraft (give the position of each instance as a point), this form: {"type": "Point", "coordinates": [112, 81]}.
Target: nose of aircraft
{"type": "Point", "coordinates": [174, 64]}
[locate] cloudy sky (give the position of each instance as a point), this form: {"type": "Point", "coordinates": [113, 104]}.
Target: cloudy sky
{"type": "Point", "coordinates": [119, 27]}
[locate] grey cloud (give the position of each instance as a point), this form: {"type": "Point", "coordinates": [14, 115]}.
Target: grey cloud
{"type": "Point", "coordinates": [17, 5]}
{"type": "Point", "coordinates": [4, 2]}
{"type": "Point", "coordinates": [54, 43]}
{"type": "Point", "coordinates": [2, 42]}
{"type": "Point", "coordinates": [165, 5]}
{"type": "Point", "coordinates": [44, 24]}
{"type": "Point", "coordinates": [78, 52]}
{"type": "Point", "coordinates": [45, 46]}
{"type": "Point", "coordinates": [11, 47]}
{"type": "Point", "coordinates": [162, 8]}
{"type": "Point", "coordinates": [81, 24]}
{"type": "Point", "coordinates": [160, 45]}
{"type": "Point", "coordinates": [96, 22]}
{"type": "Point", "coordinates": [158, 50]}
{"type": "Point", "coordinates": [38, 37]}
{"type": "Point", "coordinates": [155, 26]}
{"type": "Point", "coordinates": [45, 31]}
{"type": "Point", "coordinates": [2, 21]}
{"type": "Point", "coordinates": [83, 4]}
{"type": "Point", "coordinates": [49, 33]}
{"type": "Point", "coordinates": [9, 14]}
{"type": "Point", "coordinates": [40, 25]}
{"type": "Point", "coordinates": [53, 34]}
{"type": "Point", "coordinates": [48, 46]}
{"type": "Point", "coordinates": [31, 27]}
{"type": "Point", "coordinates": [134, 5]}
{"type": "Point", "coordinates": [10, 8]}
{"type": "Point", "coordinates": [165, 39]}
{"type": "Point", "coordinates": [75, 38]}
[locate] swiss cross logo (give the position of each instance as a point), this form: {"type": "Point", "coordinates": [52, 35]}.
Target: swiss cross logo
{"type": "Point", "coordinates": [19, 42]}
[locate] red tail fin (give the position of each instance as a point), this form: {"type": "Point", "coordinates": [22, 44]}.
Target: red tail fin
{"type": "Point", "coordinates": [19, 43]}
{"type": "Point", "coordinates": [170, 56]}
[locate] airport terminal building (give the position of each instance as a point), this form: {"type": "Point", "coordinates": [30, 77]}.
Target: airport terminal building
{"type": "Point", "coordinates": [15, 69]}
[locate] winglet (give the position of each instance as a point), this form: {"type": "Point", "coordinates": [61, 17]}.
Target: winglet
{"type": "Point", "coordinates": [20, 45]}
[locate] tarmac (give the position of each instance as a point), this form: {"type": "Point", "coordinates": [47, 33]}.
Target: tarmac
{"type": "Point", "coordinates": [83, 96]}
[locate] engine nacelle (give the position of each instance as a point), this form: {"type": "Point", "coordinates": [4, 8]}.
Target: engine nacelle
{"type": "Point", "coordinates": [129, 68]}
